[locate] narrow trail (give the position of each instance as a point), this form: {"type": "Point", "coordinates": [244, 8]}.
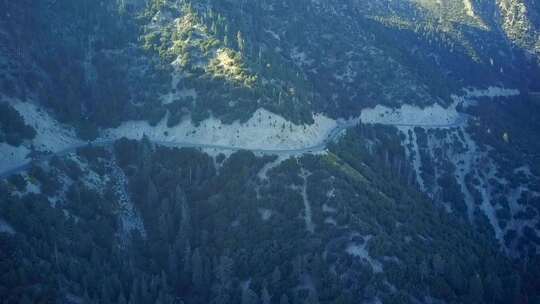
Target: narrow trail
{"type": "Point", "coordinates": [332, 136]}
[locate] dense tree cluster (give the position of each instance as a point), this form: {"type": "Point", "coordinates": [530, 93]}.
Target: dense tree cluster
{"type": "Point", "coordinates": [99, 64]}
{"type": "Point", "coordinates": [81, 60]}
{"type": "Point", "coordinates": [217, 230]}
{"type": "Point", "coordinates": [13, 130]}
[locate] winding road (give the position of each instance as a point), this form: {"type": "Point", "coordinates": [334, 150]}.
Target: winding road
{"type": "Point", "coordinates": [332, 136]}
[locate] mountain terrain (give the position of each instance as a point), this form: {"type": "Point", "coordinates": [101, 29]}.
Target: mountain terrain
{"type": "Point", "coordinates": [271, 151]}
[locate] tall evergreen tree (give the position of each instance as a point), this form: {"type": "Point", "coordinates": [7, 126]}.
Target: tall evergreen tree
{"type": "Point", "coordinates": [249, 296]}
{"type": "Point", "coordinates": [197, 271]}
{"type": "Point", "coordinates": [476, 289]}
{"type": "Point", "coordinates": [265, 296]}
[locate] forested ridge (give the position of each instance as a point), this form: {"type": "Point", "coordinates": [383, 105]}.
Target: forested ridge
{"type": "Point", "coordinates": [99, 64]}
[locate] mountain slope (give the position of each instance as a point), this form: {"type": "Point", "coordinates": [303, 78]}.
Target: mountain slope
{"type": "Point", "coordinates": [393, 151]}
{"type": "Point", "coordinates": [326, 228]}
{"type": "Point", "coordinates": [97, 65]}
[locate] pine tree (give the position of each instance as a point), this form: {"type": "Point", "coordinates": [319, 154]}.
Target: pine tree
{"type": "Point", "coordinates": [476, 289]}
{"type": "Point", "coordinates": [424, 270]}
{"type": "Point", "coordinates": [144, 292]}
{"type": "Point", "coordinates": [26, 300]}
{"type": "Point", "coordinates": [121, 299]}
{"type": "Point", "coordinates": [163, 224]}
{"type": "Point", "coordinates": [455, 278]}
{"type": "Point", "coordinates": [163, 280]}
{"type": "Point", "coordinates": [223, 280]}
{"type": "Point", "coordinates": [276, 278]}
{"type": "Point", "coordinates": [240, 41]}
{"type": "Point", "coordinates": [134, 296]}
{"type": "Point", "coordinates": [173, 265]}
{"type": "Point", "coordinates": [104, 294]}
{"type": "Point", "coordinates": [186, 274]}
{"type": "Point", "coordinates": [187, 258]}
{"type": "Point", "coordinates": [86, 297]}
{"type": "Point", "coordinates": [265, 296]}
{"type": "Point", "coordinates": [493, 288]}
{"type": "Point", "coordinates": [312, 297]}
{"type": "Point", "coordinates": [153, 195]}
{"type": "Point", "coordinates": [249, 296]}
{"type": "Point", "coordinates": [438, 264]}
{"type": "Point", "coordinates": [197, 271]}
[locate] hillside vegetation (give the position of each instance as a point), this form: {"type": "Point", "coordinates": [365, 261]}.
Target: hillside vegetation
{"type": "Point", "coordinates": [98, 64]}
